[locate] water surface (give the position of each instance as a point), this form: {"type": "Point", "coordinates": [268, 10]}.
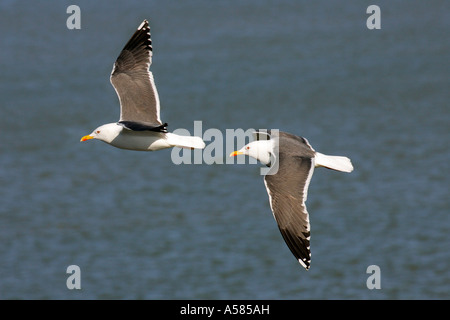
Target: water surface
{"type": "Point", "coordinates": [140, 227]}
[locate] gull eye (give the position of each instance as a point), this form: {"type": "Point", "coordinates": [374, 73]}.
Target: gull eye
{"type": "Point", "coordinates": [247, 148]}
{"type": "Point", "coordinates": [98, 131]}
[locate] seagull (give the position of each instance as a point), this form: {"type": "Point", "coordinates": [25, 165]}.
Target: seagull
{"type": "Point", "coordinates": [139, 127]}
{"type": "Point", "coordinates": [287, 188]}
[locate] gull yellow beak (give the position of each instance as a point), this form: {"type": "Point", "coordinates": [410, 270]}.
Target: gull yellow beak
{"type": "Point", "coordinates": [88, 137]}
{"type": "Point", "coordinates": [235, 153]}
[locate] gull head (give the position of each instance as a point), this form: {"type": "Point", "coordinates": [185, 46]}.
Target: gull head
{"type": "Point", "coordinates": [260, 150]}
{"type": "Point", "coordinates": [107, 133]}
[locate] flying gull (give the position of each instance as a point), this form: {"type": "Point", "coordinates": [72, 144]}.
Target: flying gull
{"type": "Point", "coordinates": [295, 160]}
{"type": "Point", "coordinates": [139, 127]}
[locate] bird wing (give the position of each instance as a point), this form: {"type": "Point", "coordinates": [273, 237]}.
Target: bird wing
{"type": "Point", "coordinates": [133, 81]}
{"type": "Point", "coordinates": [288, 191]}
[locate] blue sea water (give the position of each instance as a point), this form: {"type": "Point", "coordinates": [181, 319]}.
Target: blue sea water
{"type": "Point", "coordinates": [141, 227]}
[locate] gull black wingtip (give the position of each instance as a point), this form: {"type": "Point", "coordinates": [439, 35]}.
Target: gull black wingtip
{"type": "Point", "coordinates": [304, 264]}
{"type": "Point", "coordinates": [143, 25]}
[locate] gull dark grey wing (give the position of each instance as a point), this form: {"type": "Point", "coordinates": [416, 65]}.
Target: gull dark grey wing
{"type": "Point", "coordinates": [133, 81]}
{"type": "Point", "coordinates": [288, 190]}
{"type": "Point", "coordinates": [137, 126]}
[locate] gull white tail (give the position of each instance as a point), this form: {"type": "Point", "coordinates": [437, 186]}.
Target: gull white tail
{"type": "Point", "coordinates": [185, 141]}
{"type": "Point", "coordinates": [337, 163]}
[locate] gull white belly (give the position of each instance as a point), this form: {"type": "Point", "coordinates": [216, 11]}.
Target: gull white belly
{"type": "Point", "coordinates": [141, 140]}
